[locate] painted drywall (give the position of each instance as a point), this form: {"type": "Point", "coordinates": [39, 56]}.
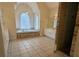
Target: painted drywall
{"type": "Point", "coordinates": [53, 13]}
{"type": "Point", "coordinates": [9, 18]}
{"type": "Point", "coordinates": [6, 21]}
{"type": "Point", "coordinates": [44, 13]}
{"type": "Point", "coordinates": [2, 53]}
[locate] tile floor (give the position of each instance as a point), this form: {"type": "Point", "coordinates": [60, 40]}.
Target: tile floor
{"type": "Point", "coordinates": [32, 47]}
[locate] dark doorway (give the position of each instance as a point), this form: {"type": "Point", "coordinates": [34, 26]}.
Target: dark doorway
{"type": "Point", "coordinates": [66, 23]}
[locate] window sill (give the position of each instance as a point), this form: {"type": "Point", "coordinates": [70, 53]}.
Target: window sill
{"type": "Point", "coordinates": [26, 31]}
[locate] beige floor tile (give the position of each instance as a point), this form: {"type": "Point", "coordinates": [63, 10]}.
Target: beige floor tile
{"type": "Point", "coordinates": [25, 54]}
{"type": "Point", "coordinates": [32, 47]}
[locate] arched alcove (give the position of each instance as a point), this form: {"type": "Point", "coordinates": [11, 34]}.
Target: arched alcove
{"type": "Point", "coordinates": [34, 17]}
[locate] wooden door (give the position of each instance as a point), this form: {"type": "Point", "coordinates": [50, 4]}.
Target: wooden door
{"type": "Point", "coordinates": [65, 27]}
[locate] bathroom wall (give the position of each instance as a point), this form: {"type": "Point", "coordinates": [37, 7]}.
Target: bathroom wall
{"type": "Point", "coordinates": [9, 18]}
{"type": "Point", "coordinates": [48, 13]}
{"type": "Point", "coordinates": [53, 13]}
{"type": "Point", "coordinates": [2, 53]}
{"type": "Point", "coordinates": [44, 13]}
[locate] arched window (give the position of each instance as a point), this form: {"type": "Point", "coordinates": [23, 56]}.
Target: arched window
{"type": "Point", "coordinates": [25, 21]}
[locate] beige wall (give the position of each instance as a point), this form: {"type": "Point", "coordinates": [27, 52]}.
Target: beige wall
{"type": "Point", "coordinates": [53, 12]}
{"type": "Point", "coordinates": [44, 13]}
{"type": "Point", "coordinates": [2, 53]}
{"type": "Point", "coordinates": [47, 15]}
{"type": "Point", "coordinates": [7, 21]}
{"type": "Point", "coordinates": [9, 18]}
